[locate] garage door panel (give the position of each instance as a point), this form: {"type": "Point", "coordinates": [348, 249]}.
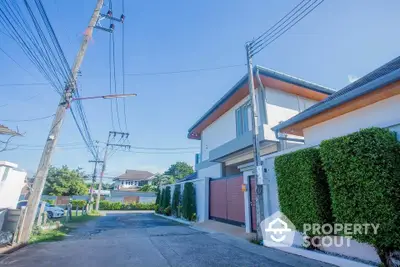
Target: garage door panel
{"type": "Point", "coordinates": [218, 199]}
{"type": "Point", "coordinates": [235, 200]}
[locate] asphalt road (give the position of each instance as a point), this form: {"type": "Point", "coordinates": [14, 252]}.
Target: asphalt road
{"type": "Point", "coordinates": [148, 240]}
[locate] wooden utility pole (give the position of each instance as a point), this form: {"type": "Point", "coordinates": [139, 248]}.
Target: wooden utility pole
{"type": "Point", "coordinates": [43, 168]}
{"type": "Point", "coordinates": [258, 170]}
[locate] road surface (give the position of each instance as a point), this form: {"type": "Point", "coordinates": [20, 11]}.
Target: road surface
{"type": "Point", "coordinates": [148, 240]}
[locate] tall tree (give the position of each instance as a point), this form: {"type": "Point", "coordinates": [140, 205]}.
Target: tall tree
{"type": "Point", "coordinates": [179, 170]}
{"type": "Point", "coordinates": [65, 182]}
{"type": "Point", "coordinates": [161, 179]}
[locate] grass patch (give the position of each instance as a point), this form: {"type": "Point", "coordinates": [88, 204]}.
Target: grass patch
{"type": "Point", "coordinates": [39, 236]}
{"type": "Point", "coordinates": [59, 234]}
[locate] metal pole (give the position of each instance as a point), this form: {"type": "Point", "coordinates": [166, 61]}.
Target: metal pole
{"type": "Point", "coordinates": [256, 145]}
{"type": "Point", "coordinates": [102, 174]}
{"type": "Point", "coordinates": [43, 168]}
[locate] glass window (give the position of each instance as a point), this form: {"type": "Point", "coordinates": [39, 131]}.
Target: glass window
{"type": "Point", "coordinates": [243, 116]}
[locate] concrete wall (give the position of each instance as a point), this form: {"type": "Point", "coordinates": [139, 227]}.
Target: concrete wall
{"type": "Point", "coordinates": [213, 171]}
{"type": "Point", "coordinates": [11, 183]}
{"type": "Point", "coordinates": [281, 105]}
{"type": "Point", "coordinates": [220, 131]}
{"type": "Point", "coordinates": [384, 113]}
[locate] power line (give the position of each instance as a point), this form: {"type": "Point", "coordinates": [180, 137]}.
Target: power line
{"type": "Point", "coordinates": [34, 119]}
{"type": "Point", "coordinates": [123, 66]}
{"type": "Point", "coordinates": [186, 71]}
{"type": "Point", "coordinates": [256, 47]}
{"type": "Point", "coordinates": [22, 84]}
{"type": "Point", "coordinates": [23, 100]}
{"type": "Point", "coordinates": [16, 63]}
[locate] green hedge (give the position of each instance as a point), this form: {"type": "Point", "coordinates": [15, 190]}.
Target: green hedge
{"type": "Point", "coordinates": [78, 203]}
{"type": "Point", "coordinates": [108, 205]}
{"type": "Point", "coordinates": [158, 196]}
{"type": "Point", "coordinates": [176, 200]}
{"type": "Point", "coordinates": [303, 188]}
{"type": "Point", "coordinates": [166, 197]}
{"type": "Point", "coordinates": [363, 171]}
{"type": "Point", "coordinates": [189, 202]}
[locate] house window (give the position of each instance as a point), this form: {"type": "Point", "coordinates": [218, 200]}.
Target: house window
{"type": "Point", "coordinates": [243, 121]}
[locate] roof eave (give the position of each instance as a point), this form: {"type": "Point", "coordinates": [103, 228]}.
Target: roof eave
{"type": "Point", "coordinates": [362, 90]}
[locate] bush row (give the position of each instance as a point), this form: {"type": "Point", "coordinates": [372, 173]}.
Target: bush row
{"type": "Point", "coordinates": [350, 179]}
{"type": "Point", "coordinates": [108, 205]}
{"type": "Point", "coordinates": [184, 207]}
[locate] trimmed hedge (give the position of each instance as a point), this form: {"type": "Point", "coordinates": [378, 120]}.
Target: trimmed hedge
{"type": "Point", "coordinates": [303, 188]}
{"type": "Point", "coordinates": [176, 199]}
{"type": "Point", "coordinates": [158, 196]}
{"type": "Point", "coordinates": [166, 197]}
{"type": "Point", "coordinates": [189, 202]}
{"type": "Point", "coordinates": [363, 171]}
{"type": "Point", "coordinates": [78, 203]}
{"type": "Point", "coordinates": [108, 205]}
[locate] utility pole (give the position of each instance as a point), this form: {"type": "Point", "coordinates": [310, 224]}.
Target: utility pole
{"type": "Point", "coordinates": [112, 145]}
{"type": "Point", "coordinates": [96, 161]}
{"type": "Point", "coordinates": [43, 168]}
{"type": "Point", "coordinates": [258, 170]}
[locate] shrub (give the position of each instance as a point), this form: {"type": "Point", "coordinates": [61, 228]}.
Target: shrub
{"type": "Point", "coordinates": [166, 197]}
{"type": "Point", "coordinates": [108, 205]}
{"type": "Point", "coordinates": [303, 188]}
{"type": "Point", "coordinates": [189, 201]}
{"type": "Point", "coordinates": [363, 171]}
{"type": "Point", "coordinates": [162, 194]}
{"type": "Point", "coordinates": [176, 199]}
{"type": "Point", "coordinates": [167, 211]}
{"type": "Point", "coordinates": [78, 203]}
{"type": "Point", "coordinates": [50, 201]}
{"type": "Point", "coordinates": [158, 196]}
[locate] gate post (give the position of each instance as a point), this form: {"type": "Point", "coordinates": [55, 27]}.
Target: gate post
{"type": "Point", "coordinates": [207, 198]}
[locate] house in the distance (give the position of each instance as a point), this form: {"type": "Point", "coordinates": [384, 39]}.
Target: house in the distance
{"type": "Point", "coordinates": [132, 180]}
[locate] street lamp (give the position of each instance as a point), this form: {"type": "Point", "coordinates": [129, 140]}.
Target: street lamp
{"type": "Point", "coordinates": [101, 96]}
{"type": "Point", "coordinates": [104, 97]}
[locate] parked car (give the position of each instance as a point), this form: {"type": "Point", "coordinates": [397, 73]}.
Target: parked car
{"type": "Point", "coordinates": [52, 211]}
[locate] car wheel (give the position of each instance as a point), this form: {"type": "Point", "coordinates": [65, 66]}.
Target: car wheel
{"type": "Point", "coordinates": [49, 214]}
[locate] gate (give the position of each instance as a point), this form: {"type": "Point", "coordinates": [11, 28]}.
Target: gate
{"type": "Point", "coordinates": [227, 200]}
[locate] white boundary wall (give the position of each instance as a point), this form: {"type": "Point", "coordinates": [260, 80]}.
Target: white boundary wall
{"type": "Point", "coordinates": [201, 196]}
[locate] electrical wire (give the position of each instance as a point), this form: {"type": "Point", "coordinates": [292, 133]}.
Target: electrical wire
{"type": "Point", "coordinates": [26, 120]}
{"type": "Point", "coordinates": [123, 66]}
{"type": "Point", "coordinates": [254, 49]}
{"type": "Point", "coordinates": [115, 81]}
{"type": "Point", "coordinates": [186, 71]}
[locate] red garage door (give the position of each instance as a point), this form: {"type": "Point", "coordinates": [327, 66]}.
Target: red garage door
{"type": "Point", "coordinates": [227, 200]}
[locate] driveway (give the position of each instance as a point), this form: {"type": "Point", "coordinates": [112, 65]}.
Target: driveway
{"type": "Point", "coordinates": [147, 240]}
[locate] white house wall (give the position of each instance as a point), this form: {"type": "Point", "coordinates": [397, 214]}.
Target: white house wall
{"type": "Point", "coordinates": [281, 105]}
{"type": "Point", "coordinates": [220, 131]}
{"type": "Point", "coordinates": [213, 171]}
{"type": "Point", "coordinates": [384, 113]}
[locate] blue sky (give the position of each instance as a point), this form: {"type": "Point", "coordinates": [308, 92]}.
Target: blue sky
{"type": "Point", "coordinates": [340, 38]}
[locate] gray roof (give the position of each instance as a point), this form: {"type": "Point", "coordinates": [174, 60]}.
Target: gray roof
{"type": "Point", "coordinates": [135, 175]}
{"type": "Point", "coordinates": [384, 75]}
{"type": "Point", "coordinates": [269, 73]}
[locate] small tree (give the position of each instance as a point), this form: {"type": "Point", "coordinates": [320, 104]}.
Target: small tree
{"type": "Point", "coordinates": [176, 199]}
{"type": "Point", "coordinates": [158, 196]}
{"type": "Point", "coordinates": [166, 197]}
{"type": "Point", "coordinates": [189, 202]}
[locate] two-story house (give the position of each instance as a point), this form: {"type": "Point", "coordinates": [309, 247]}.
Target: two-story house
{"type": "Point", "coordinates": [226, 138]}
